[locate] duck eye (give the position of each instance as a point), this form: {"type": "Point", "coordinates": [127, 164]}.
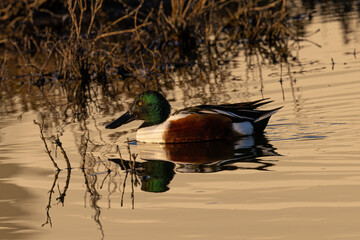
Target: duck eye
{"type": "Point", "coordinates": [139, 103]}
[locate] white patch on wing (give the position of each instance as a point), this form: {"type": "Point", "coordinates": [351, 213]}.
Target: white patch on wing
{"type": "Point", "coordinates": [225, 113]}
{"type": "Point", "coordinates": [211, 111]}
{"type": "Point", "coordinates": [243, 128]}
{"type": "Point", "coordinates": [178, 116]}
{"type": "Point", "coordinates": [155, 134]}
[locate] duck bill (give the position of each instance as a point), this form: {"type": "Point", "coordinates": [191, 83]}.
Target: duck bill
{"type": "Point", "coordinates": [125, 118]}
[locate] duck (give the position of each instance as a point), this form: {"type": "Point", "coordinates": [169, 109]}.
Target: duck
{"type": "Point", "coordinates": [193, 124]}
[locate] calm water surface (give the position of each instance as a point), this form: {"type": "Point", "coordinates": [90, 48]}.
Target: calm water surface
{"type": "Point", "coordinates": [301, 181]}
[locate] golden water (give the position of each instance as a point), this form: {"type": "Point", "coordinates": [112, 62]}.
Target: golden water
{"type": "Point", "coordinates": [309, 189]}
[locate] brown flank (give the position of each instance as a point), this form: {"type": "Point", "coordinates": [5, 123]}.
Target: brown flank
{"type": "Point", "coordinates": [199, 127]}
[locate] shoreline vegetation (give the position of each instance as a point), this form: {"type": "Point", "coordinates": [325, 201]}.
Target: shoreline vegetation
{"type": "Point", "coordinates": [90, 51]}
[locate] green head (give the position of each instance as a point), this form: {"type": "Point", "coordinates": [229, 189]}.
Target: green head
{"type": "Point", "coordinates": [149, 106]}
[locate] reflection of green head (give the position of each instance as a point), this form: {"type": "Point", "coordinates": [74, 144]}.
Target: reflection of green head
{"type": "Point", "coordinates": [154, 185]}
{"type": "Point", "coordinates": [157, 176]}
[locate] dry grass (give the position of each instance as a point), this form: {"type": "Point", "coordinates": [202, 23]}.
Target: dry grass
{"type": "Point", "coordinates": [84, 49]}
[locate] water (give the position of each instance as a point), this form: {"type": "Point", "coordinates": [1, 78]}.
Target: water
{"type": "Point", "coordinates": [300, 181]}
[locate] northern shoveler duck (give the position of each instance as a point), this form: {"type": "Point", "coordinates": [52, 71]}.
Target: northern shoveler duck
{"type": "Point", "coordinates": [193, 124]}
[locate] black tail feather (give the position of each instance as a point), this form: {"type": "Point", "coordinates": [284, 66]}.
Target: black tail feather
{"type": "Point", "coordinates": [260, 126]}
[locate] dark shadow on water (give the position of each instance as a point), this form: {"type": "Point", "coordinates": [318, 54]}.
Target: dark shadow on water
{"type": "Point", "coordinates": [162, 161]}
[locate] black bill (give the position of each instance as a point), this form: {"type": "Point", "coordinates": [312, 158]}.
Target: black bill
{"type": "Point", "coordinates": [125, 118]}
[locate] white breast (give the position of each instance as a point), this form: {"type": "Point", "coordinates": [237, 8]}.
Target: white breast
{"type": "Point", "coordinates": [154, 134]}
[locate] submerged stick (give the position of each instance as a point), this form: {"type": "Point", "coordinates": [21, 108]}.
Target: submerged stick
{"type": "Point", "coordinates": [51, 191]}
{"type": "Point", "coordinates": [41, 126]}
{"type": "Point", "coordinates": [59, 144]}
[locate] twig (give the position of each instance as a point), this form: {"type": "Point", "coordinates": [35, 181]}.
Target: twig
{"type": "Point", "coordinates": [122, 18]}
{"type": "Point", "coordinates": [121, 159]}
{"type": "Point", "coordinates": [270, 5]}
{"type": "Point", "coordinates": [59, 144]}
{"type": "Point", "coordinates": [84, 146]}
{"type": "Point", "coordinates": [41, 126]}
{"type": "Point", "coordinates": [131, 156]}
{"type": "Point", "coordinates": [62, 194]}
{"type": "Point", "coordinates": [51, 191]}
{"type": "Point", "coordinates": [121, 31]}
{"type": "Point", "coordinates": [94, 9]}
{"type": "Point", "coordinates": [123, 191]}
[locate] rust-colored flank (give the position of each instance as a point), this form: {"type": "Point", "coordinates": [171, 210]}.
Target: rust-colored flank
{"type": "Point", "coordinates": [199, 127]}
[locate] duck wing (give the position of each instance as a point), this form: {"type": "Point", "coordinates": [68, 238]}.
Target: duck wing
{"type": "Point", "coordinates": [238, 112]}
{"type": "Point", "coordinates": [245, 111]}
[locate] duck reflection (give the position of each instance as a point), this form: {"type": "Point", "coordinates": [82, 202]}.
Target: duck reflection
{"type": "Point", "coordinates": [162, 161]}
{"type": "Point", "coordinates": [155, 175]}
